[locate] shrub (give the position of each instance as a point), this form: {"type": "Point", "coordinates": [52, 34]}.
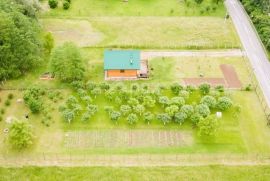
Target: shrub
{"type": "Point", "coordinates": [176, 88]}
{"type": "Point", "coordinates": [90, 86]}
{"type": "Point", "coordinates": [208, 126]}
{"type": "Point", "coordinates": [10, 96]}
{"type": "Point", "coordinates": [171, 110]}
{"type": "Point", "coordinates": [148, 117]}
{"type": "Point", "coordinates": [68, 115]}
{"type": "Point", "coordinates": [20, 134]}
{"type": "Point", "coordinates": [53, 3]}
{"type": "Point", "coordinates": [187, 109]}
{"type": "Point", "coordinates": [164, 118]}
{"type": "Point", "coordinates": [248, 87]}
{"type": "Point", "coordinates": [35, 105]}
{"type": "Point", "coordinates": [92, 109]}
{"type": "Point", "coordinates": [190, 88]}
{"type": "Point", "coordinates": [139, 109]}
{"type": "Point", "coordinates": [195, 118]}
{"type": "Point", "coordinates": [86, 116]}
{"type": "Point", "coordinates": [204, 88]}
{"type": "Point", "coordinates": [132, 119]}
{"type": "Point", "coordinates": [7, 102]}
{"type": "Point", "coordinates": [125, 109]}
{"type": "Point", "coordinates": [115, 116]}
{"type": "Point", "coordinates": [184, 94]}
{"type": "Point", "coordinates": [180, 117]}
{"type": "Point", "coordinates": [66, 5]}
{"type": "Point", "coordinates": [224, 103]}
{"type": "Point", "coordinates": [214, 93]}
{"type": "Point", "coordinates": [207, 8]}
{"type": "Point", "coordinates": [220, 88]}
{"type": "Point", "coordinates": [77, 84]}
{"type": "Point", "coordinates": [203, 110]}
{"type": "Point", "coordinates": [164, 100]}
{"type": "Point", "coordinates": [96, 91]}
{"type": "Point", "coordinates": [2, 111]}
{"type": "Point", "coordinates": [48, 42]}
{"type": "Point", "coordinates": [105, 86]}
{"type": "Point", "coordinates": [148, 101]}
{"type": "Point", "coordinates": [178, 101]}
{"type": "Point", "coordinates": [1, 118]}
{"type": "Point", "coordinates": [210, 101]}
{"type": "Point", "coordinates": [133, 102]}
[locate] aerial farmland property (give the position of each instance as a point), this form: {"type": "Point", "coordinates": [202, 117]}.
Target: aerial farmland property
{"type": "Point", "coordinates": [134, 90]}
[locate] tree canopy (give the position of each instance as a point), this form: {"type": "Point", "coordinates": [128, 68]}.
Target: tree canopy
{"type": "Point", "coordinates": [66, 63]}
{"type": "Point", "coordinates": [20, 41]}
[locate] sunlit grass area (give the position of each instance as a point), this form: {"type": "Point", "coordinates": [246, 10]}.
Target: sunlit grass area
{"type": "Point", "coordinates": [218, 173]}
{"type": "Point", "coordinates": [140, 8]}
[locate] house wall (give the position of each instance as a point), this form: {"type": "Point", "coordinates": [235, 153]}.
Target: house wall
{"type": "Point", "coordinates": [118, 73]}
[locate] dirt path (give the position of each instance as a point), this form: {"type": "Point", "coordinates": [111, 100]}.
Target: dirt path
{"type": "Point", "coordinates": [135, 160]}
{"type": "Point", "coordinates": [202, 53]}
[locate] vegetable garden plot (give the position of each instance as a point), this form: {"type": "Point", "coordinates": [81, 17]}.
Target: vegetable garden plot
{"type": "Point", "coordinates": [127, 138]}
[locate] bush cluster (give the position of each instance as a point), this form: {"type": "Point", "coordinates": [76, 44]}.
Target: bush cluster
{"type": "Point", "coordinates": [32, 98]}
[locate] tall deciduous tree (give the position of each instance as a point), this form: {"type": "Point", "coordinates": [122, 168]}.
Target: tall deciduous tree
{"type": "Point", "coordinates": [20, 41]}
{"type": "Point", "coordinates": [67, 64]}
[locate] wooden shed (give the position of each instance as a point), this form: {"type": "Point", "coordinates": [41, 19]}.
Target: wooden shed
{"type": "Point", "coordinates": [122, 64]}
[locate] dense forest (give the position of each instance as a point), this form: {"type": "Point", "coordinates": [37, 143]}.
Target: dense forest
{"type": "Point", "coordinates": [259, 11]}
{"type": "Point", "coordinates": [21, 43]}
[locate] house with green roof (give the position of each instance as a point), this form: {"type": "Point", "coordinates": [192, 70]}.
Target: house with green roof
{"type": "Point", "coordinates": [123, 64]}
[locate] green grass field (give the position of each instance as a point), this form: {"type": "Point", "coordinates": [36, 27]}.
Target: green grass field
{"type": "Point", "coordinates": [246, 133]}
{"type": "Point", "coordinates": [145, 32]}
{"type": "Point", "coordinates": [217, 173]}
{"type": "Point", "coordinates": [139, 8]}
{"type": "Point", "coordinates": [96, 25]}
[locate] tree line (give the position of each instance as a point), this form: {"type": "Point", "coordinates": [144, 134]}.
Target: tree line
{"type": "Point", "coordinates": [259, 11]}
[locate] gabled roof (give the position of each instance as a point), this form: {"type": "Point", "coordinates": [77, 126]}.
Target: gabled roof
{"type": "Point", "coordinates": [122, 59]}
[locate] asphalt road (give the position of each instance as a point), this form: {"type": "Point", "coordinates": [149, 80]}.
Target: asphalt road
{"type": "Point", "coordinates": [252, 45]}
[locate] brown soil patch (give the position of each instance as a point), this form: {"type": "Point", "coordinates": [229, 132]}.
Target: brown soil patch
{"type": "Point", "coordinates": [199, 81]}
{"type": "Point", "coordinates": [127, 139]}
{"type": "Point", "coordinates": [230, 76]}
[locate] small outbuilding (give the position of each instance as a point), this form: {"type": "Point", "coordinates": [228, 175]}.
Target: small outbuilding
{"type": "Point", "coordinates": [124, 64]}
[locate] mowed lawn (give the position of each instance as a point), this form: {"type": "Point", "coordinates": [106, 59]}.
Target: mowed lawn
{"type": "Point", "coordinates": [195, 173]}
{"type": "Point", "coordinates": [139, 8]}
{"type": "Point", "coordinates": [176, 68]}
{"type": "Point", "coordinates": [246, 133]}
{"type": "Point", "coordinates": [145, 32]}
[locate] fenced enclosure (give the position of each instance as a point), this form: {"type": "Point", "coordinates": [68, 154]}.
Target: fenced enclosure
{"type": "Point", "coordinates": [258, 90]}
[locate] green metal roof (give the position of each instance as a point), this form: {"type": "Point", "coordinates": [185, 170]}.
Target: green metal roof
{"type": "Point", "coordinates": [122, 59]}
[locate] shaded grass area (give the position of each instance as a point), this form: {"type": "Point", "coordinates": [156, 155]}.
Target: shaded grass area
{"type": "Point", "coordinates": [140, 8]}
{"type": "Point", "coordinates": [215, 172]}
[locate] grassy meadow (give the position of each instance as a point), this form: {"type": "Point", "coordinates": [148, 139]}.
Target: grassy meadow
{"type": "Point", "coordinates": [145, 32]}
{"type": "Point", "coordinates": [215, 172]}
{"type": "Point", "coordinates": [138, 8]}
